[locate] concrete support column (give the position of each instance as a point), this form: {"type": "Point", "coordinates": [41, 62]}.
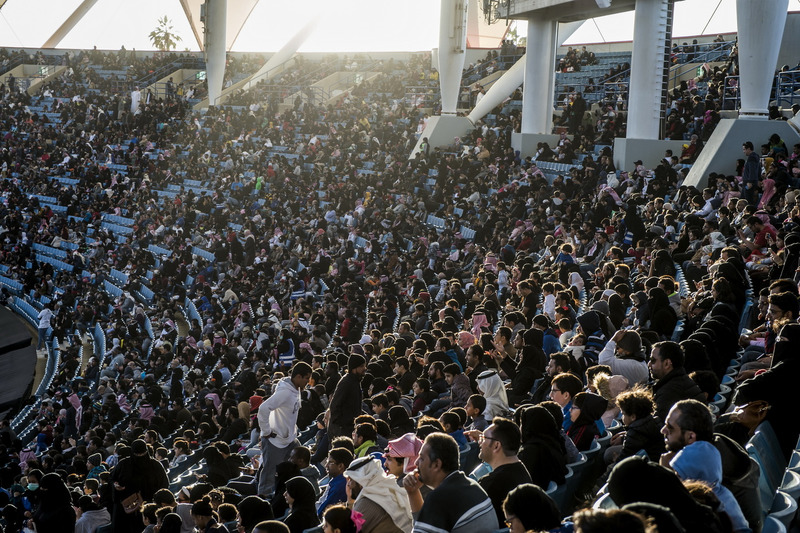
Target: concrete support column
{"type": "Point", "coordinates": [499, 91]}
{"type": "Point", "coordinates": [452, 51]}
{"type": "Point", "coordinates": [214, 32]}
{"type": "Point", "coordinates": [283, 55]}
{"type": "Point", "coordinates": [647, 69]}
{"type": "Point", "coordinates": [537, 93]}
{"type": "Point", "coordinates": [760, 25]}
{"type": "Point", "coordinates": [68, 24]}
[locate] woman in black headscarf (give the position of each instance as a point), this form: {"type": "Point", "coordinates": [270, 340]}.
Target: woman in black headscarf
{"type": "Point", "coordinates": [55, 511]}
{"type": "Point", "coordinates": [616, 310]}
{"type": "Point", "coordinates": [218, 473]}
{"type": "Point", "coordinates": [533, 507]}
{"type": "Point", "coordinates": [662, 265]}
{"type": "Point", "coordinates": [529, 368]}
{"type": "Point", "coordinates": [302, 499]}
{"type": "Point", "coordinates": [542, 452]}
{"type": "Point", "coordinates": [636, 480]}
{"type": "Point", "coordinates": [737, 280]}
{"type": "Point", "coordinates": [696, 356]}
{"type": "Point", "coordinates": [176, 384]}
{"type": "Point", "coordinates": [662, 316]}
{"type": "Point", "coordinates": [399, 421]}
{"type": "Point", "coordinates": [253, 510]}
{"type": "Point", "coordinates": [642, 314]}
{"type": "Point", "coordinates": [634, 224]}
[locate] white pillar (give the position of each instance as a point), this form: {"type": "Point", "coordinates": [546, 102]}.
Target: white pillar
{"type": "Point", "coordinates": [452, 50]}
{"type": "Point", "coordinates": [537, 93]}
{"type": "Point", "coordinates": [68, 24]}
{"type": "Point", "coordinates": [215, 24]}
{"type": "Point", "coordinates": [283, 55]}
{"type": "Point", "coordinates": [501, 89]}
{"type": "Point", "coordinates": [760, 25]}
{"type": "Point", "coordinates": [647, 69]}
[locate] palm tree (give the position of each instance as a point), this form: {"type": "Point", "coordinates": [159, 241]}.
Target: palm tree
{"type": "Point", "coordinates": [163, 38]}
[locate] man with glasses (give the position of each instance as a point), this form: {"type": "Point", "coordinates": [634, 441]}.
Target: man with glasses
{"type": "Point", "coordinates": [562, 390]}
{"type": "Point", "coordinates": [499, 445]}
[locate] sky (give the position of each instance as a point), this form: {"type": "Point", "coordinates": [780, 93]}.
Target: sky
{"type": "Point", "coordinates": [348, 25]}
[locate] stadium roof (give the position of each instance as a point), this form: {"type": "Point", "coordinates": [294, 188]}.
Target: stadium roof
{"type": "Point", "coordinates": [351, 25]}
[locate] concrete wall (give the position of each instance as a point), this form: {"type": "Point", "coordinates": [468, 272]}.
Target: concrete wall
{"type": "Point", "coordinates": [725, 145]}
{"type": "Point", "coordinates": [29, 71]}
{"type": "Point", "coordinates": [179, 76]}
{"type": "Point", "coordinates": [53, 72]}
{"type": "Point", "coordinates": [651, 152]}
{"type": "Point", "coordinates": [526, 142]}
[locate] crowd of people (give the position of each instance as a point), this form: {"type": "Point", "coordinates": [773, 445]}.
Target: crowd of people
{"type": "Point", "coordinates": [334, 359]}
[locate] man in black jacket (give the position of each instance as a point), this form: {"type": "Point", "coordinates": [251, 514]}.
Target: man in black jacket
{"type": "Point", "coordinates": [346, 402]}
{"type": "Point", "coordinates": [672, 382]}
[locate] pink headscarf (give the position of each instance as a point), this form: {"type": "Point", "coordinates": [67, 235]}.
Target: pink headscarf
{"type": "Point", "coordinates": [465, 339]}
{"type": "Point", "coordinates": [146, 412]}
{"type": "Point", "coordinates": [214, 397]}
{"type": "Point", "coordinates": [613, 194]}
{"type": "Point", "coordinates": [490, 263]}
{"type": "Point", "coordinates": [407, 446]}
{"type": "Point", "coordinates": [122, 402]}
{"type": "Point", "coordinates": [478, 321]}
{"type": "Point", "coordinates": [769, 191]}
{"type": "Point", "coordinates": [76, 403]}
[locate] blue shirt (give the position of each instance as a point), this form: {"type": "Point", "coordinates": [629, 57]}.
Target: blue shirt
{"type": "Point", "coordinates": [334, 493]}
{"type": "Point", "coordinates": [550, 342]}
{"type": "Point", "coordinates": [567, 420]}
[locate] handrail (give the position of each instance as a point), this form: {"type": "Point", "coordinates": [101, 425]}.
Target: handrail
{"type": "Point", "coordinates": [704, 57]}
{"type": "Point", "coordinates": [732, 86]}
{"type": "Point", "coordinates": [258, 79]}
{"type": "Point", "coordinates": [12, 64]}
{"type": "Point", "coordinates": [172, 66]}
{"type": "Point", "coordinates": [787, 88]}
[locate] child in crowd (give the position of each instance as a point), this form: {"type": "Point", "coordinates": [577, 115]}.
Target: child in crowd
{"type": "Point", "coordinates": [549, 300]}
{"type": "Point", "coordinates": [451, 423]}
{"type": "Point", "coordinates": [475, 407]}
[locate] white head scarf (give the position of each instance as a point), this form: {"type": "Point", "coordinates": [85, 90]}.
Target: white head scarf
{"type": "Point", "coordinates": [495, 393]}
{"type": "Point", "coordinates": [382, 489]}
{"type": "Point", "coordinates": [576, 280]}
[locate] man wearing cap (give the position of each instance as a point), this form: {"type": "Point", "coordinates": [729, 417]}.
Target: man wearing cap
{"type": "Point", "coordinates": [345, 404]}
{"type": "Point", "coordinates": [380, 500]}
{"type": "Point", "coordinates": [277, 418]}
{"type": "Point", "coordinates": [626, 357]}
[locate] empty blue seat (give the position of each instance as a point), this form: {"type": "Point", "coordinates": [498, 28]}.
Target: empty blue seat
{"type": "Point", "coordinates": [561, 493]}
{"type": "Point", "coordinates": [773, 525]}
{"type": "Point", "coordinates": [605, 502]}
{"type": "Point", "coordinates": [468, 459]}
{"type": "Point", "coordinates": [784, 507]}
